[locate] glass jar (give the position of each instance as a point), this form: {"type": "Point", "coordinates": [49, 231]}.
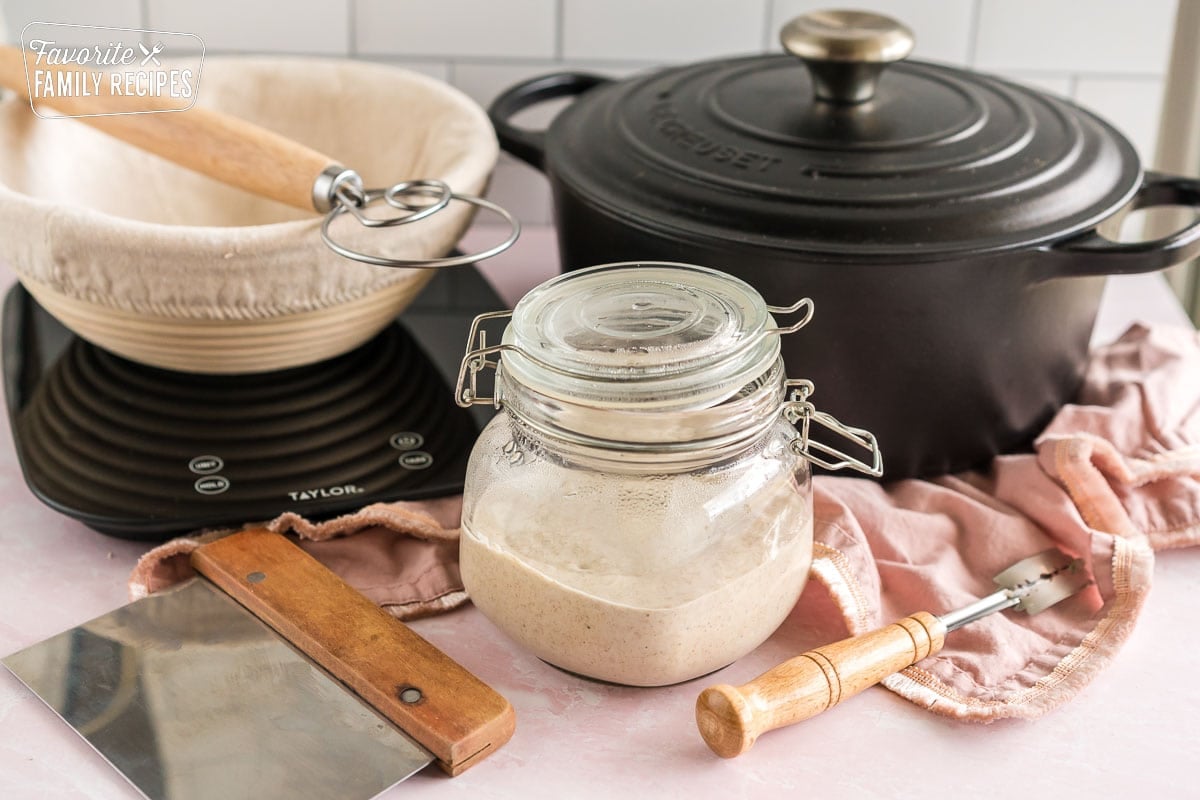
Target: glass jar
{"type": "Point", "coordinates": [641, 510]}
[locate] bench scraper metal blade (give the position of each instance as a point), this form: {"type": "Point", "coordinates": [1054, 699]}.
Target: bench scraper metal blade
{"type": "Point", "coordinates": [191, 696]}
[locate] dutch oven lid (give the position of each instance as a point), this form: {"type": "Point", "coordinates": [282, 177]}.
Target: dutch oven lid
{"type": "Point", "coordinates": [854, 156]}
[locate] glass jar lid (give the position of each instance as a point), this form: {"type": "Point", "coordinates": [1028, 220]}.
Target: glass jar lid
{"type": "Point", "coordinates": [643, 334]}
{"type": "Point", "coordinates": [586, 355]}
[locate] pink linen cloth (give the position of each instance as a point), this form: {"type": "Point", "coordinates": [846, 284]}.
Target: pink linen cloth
{"type": "Point", "coordinates": [1113, 478]}
{"type": "Point", "coordinates": [402, 556]}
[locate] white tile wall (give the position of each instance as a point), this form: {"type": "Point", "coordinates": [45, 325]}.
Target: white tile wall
{"type": "Point", "coordinates": [111, 13]}
{"type": "Point", "coordinates": [1102, 36]}
{"type": "Point", "coordinates": [16, 14]}
{"type": "Point", "coordinates": [484, 82]}
{"type": "Point", "coordinates": [1109, 55]}
{"type": "Point", "coordinates": [434, 69]}
{"type": "Point", "coordinates": [660, 30]}
{"type": "Point", "coordinates": [458, 28]}
{"type": "Point", "coordinates": [522, 190]}
{"type": "Point", "coordinates": [1135, 102]}
{"type": "Point", "coordinates": [309, 26]}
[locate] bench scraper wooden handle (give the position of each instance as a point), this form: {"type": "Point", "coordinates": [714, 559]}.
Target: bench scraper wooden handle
{"type": "Point", "coordinates": [427, 694]}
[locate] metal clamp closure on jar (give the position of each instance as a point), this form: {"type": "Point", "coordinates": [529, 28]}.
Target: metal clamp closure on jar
{"type": "Point", "coordinates": [476, 360]}
{"type": "Point", "coordinates": [799, 411]}
{"type": "Point", "coordinates": [673, 394]}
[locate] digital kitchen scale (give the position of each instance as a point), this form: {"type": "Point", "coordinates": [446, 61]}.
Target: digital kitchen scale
{"type": "Point", "coordinates": [145, 453]}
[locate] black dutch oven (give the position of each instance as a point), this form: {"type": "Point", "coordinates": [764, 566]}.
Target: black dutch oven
{"type": "Point", "coordinates": [953, 229]}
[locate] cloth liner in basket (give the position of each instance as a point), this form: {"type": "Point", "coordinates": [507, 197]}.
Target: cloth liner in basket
{"type": "Point", "coordinates": [171, 268]}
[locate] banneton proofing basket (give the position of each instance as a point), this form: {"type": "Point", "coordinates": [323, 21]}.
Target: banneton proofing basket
{"type": "Point", "coordinates": [173, 269]}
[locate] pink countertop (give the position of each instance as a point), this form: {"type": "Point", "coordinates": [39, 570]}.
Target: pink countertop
{"type": "Point", "coordinates": [1130, 733]}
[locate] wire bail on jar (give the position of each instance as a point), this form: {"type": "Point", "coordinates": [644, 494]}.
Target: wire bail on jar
{"type": "Point", "coordinates": [656, 361]}
{"type": "Point", "coordinates": [798, 410]}
{"type": "Point", "coordinates": [802, 413]}
{"type": "Point", "coordinates": [476, 360]}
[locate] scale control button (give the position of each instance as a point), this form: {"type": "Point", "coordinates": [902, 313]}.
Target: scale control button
{"type": "Point", "coordinates": [206, 465]}
{"type": "Point", "coordinates": [416, 459]}
{"type": "Point", "coordinates": [406, 440]}
{"type": "Point", "coordinates": [212, 484]}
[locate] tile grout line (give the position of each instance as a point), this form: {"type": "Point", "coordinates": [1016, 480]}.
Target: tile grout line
{"type": "Point", "coordinates": [559, 26]}
{"type": "Point", "coordinates": [506, 61]}
{"type": "Point", "coordinates": [768, 18]}
{"type": "Point", "coordinates": [973, 31]}
{"type": "Point", "coordinates": [144, 21]}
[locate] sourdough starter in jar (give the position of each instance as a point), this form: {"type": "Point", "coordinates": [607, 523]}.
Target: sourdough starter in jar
{"type": "Point", "coordinates": [641, 510]}
{"type": "Point", "coordinates": [637, 579]}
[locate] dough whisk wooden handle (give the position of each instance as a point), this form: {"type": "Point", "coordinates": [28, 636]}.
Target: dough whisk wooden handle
{"type": "Point", "coordinates": [731, 718]}
{"type": "Point", "coordinates": [244, 155]}
{"type": "Point", "coordinates": [226, 148]}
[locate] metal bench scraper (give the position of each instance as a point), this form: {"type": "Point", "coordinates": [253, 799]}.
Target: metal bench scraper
{"type": "Point", "coordinates": [287, 684]}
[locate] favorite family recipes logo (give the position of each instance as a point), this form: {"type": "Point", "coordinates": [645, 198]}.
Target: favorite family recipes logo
{"type": "Point", "coordinates": [85, 70]}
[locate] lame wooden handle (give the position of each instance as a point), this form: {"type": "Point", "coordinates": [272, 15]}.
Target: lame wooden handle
{"type": "Point", "coordinates": [731, 718]}
{"type": "Point", "coordinates": [226, 148]}
{"type": "Point", "coordinates": [422, 690]}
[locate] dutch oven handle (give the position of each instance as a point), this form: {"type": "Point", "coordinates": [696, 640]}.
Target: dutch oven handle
{"type": "Point", "coordinates": [1092, 254]}
{"type": "Point", "coordinates": [525, 144]}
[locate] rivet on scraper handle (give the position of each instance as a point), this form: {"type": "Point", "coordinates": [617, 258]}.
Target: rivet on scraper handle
{"type": "Point", "coordinates": [732, 718]}
{"type": "Point", "coordinates": [244, 155]}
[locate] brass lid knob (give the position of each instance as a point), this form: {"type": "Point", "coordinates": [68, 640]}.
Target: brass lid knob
{"type": "Point", "coordinates": [846, 51]}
